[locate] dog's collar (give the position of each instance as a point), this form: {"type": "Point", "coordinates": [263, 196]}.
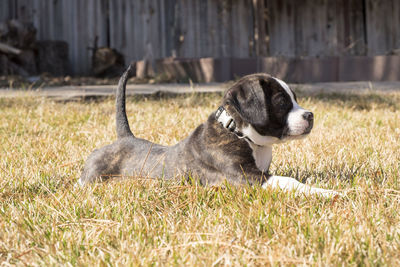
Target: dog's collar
{"type": "Point", "coordinates": [229, 123]}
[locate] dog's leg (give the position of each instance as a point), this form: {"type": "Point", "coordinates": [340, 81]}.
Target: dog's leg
{"type": "Point", "coordinates": [291, 184]}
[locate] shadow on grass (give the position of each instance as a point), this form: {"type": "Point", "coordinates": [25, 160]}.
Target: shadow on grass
{"type": "Point", "coordinates": [45, 186]}
{"type": "Point", "coordinates": [195, 98]}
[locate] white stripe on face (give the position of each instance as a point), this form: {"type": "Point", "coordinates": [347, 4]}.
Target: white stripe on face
{"type": "Point", "coordinates": [295, 121]}
{"type": "Point", "coordinates": [287, 89]}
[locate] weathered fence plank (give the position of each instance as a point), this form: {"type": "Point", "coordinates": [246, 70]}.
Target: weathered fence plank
{"type": "Point", "coordinates": [280, 19]}
{"type": "Point", "coordinates": [383, 30]}
{"type": "Point", "coordinates": [351, 33]}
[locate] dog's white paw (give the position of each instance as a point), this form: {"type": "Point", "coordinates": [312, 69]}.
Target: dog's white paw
{"type": "Point", "coordinates": [291, 184]}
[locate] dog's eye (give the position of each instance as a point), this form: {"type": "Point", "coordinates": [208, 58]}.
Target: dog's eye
{"type": "Point", "coordinates": [280, 101]}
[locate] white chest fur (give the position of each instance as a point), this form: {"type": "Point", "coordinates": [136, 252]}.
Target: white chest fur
{"type": "Point", "coordinates": [262, 156]}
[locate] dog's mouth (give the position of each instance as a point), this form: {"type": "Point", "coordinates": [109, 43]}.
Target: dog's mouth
{"type": "Point", "coordinates": [290, 134]}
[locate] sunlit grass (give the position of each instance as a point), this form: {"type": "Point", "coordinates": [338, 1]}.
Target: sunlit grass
{"type": "Point", "coordinates": [354, 148]}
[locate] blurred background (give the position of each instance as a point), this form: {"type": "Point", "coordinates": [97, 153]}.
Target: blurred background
{"type": "Point", "coordinates": [202, 40]}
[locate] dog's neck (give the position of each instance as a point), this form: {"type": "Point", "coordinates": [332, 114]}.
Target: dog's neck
{"type": "Point", "coordinates": [262, 154]}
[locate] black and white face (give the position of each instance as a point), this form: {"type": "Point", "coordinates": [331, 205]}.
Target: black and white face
{"type": "Point", "coordinates": [299, 121]}
{"type": "Point", "coordinates": [269, 110]}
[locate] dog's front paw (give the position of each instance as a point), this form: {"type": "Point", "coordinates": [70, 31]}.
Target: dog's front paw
{"type": "Point", "coordinates": [291, 184]}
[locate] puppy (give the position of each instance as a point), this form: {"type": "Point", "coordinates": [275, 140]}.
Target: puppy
{"type": "Point", "coordinates": [234, 144]}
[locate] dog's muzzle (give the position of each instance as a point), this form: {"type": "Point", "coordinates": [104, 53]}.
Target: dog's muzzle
{"type": "Point", "coordinates": [299, 121]}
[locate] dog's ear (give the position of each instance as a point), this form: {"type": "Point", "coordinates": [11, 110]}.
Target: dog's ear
{"type": "Point", "coordinates": [248, 98]}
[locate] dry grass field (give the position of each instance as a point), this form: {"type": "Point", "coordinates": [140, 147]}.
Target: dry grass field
{"type": "Point", "coordinates": [44, 220]}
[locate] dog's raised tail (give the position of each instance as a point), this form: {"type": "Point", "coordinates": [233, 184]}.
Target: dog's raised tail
{"type": "Point", "coordinates": [123, 129]}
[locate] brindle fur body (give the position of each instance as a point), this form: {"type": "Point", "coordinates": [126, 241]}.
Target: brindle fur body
{"type": "Point", "coordinates": [201, 156]}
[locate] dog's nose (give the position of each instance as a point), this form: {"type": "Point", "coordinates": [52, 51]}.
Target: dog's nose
{"type": "Point", "coordinates": [308, 116]}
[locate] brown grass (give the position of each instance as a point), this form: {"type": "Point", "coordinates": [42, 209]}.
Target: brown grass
{"type": "Point", "coordinates": [44, 220]}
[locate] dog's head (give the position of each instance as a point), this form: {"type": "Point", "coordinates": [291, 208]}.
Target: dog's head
{"type": "Point", "coordinates": [265, 110]}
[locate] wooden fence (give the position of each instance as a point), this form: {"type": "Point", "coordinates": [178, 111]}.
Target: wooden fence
{"type": "Point", "coordinates": [213, 28]}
